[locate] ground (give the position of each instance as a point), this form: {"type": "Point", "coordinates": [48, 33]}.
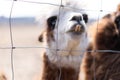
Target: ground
{"type": "Point", "coordinates": [27, 61]}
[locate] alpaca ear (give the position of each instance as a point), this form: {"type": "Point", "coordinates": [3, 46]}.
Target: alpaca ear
{"type": "Point", "coordinates": [107, 16]}
{"type": "Point", "coordinates": [85, 18]}
{"type": "Point", "coordinates": [40, 38]}
{"type": "Point", "coordinates": [51, 21]}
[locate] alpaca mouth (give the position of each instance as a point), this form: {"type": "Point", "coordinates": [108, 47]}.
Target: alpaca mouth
{"type": "Point", "coordinates": [77, 29]}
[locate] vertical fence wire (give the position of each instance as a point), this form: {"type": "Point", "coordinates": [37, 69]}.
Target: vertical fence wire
{"type": "Point", "coordinates": [59, 14]}
{"type": "Point", "coordinates": [11, 38]}
{"type": "Point", "coordinates": [98, 18]}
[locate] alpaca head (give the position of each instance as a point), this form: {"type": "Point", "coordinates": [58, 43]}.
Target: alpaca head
{"type": "Point", "coordinates": [66, 32]}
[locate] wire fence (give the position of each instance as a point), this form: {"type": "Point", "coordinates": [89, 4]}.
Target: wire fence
{"type": "Point", "coordinates": [12, 47]}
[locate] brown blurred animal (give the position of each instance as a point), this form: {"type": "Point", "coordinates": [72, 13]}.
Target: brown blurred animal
{"type": "Point", "coordinates": [105, 35]}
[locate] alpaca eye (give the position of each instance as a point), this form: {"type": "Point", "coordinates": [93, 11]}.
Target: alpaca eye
{"type": "Point", "coordinates": [76, 18]}
{"type": "Point", "coordinates": [117, 21]}
{"type": "Point", "coordinates": [51, 21]}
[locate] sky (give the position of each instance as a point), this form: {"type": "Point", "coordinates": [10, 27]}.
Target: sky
{"type": "Point", "coordinates": [25, 9]}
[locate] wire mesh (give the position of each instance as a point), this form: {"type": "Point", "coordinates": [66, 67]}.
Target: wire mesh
{"type": "Point", "coordinates": [12, 47]}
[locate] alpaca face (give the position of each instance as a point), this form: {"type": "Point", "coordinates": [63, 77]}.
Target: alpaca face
{"type": "Point", "coordinates": [68, 34]}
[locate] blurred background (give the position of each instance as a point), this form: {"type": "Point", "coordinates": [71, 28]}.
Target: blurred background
{"type": "Point", "coordinates": [24, 61]}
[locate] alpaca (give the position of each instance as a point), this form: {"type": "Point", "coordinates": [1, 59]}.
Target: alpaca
{"type": "Point", "coordinates": [61, 59]}
{"type": "Point", "coordinates": [105, 35]}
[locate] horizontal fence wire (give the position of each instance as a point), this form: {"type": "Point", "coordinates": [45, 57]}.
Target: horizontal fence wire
{"type": "Point", "coordinates": [62, 50]}
{"type": "Point", "coordinates": [45, 3]}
